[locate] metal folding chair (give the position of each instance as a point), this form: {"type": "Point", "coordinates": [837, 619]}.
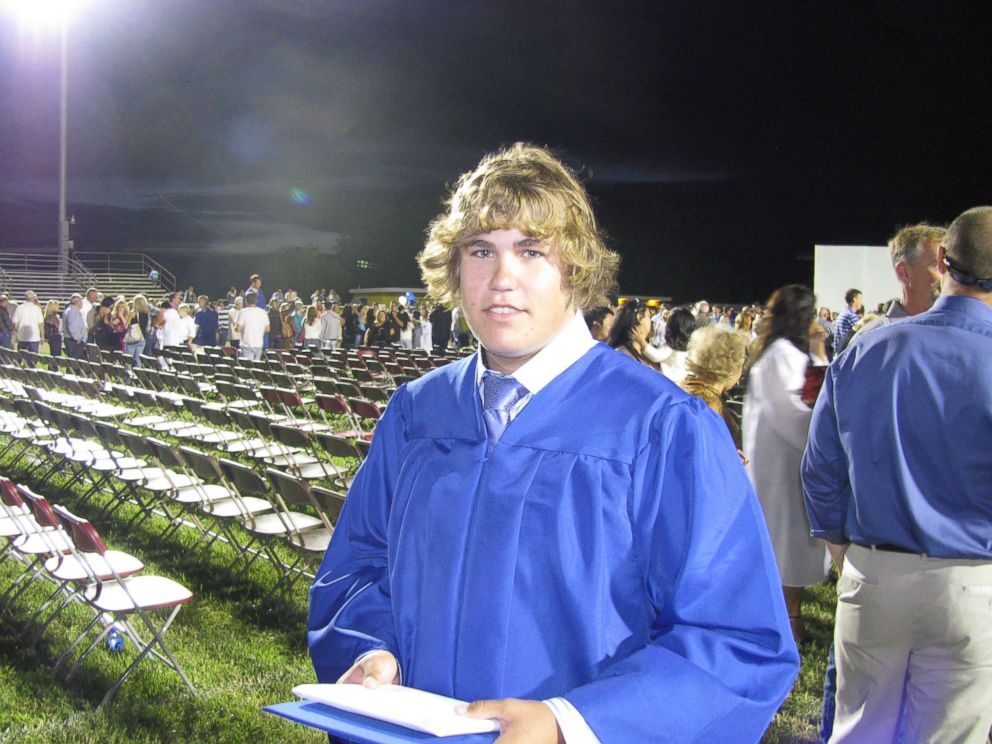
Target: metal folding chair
{"type": "Point", "coordinates": [122, 599]}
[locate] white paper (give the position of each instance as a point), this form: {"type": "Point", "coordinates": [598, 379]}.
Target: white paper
{"type": "Point", "coordinates": [404, 706]}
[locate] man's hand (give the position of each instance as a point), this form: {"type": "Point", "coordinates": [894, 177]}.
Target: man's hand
{"type": "Point", "coordinates": [520, 721]}
{"type": "Point", "coordinates": [837, 552]}
{"type": "Point", "coordinates": [378, 668]}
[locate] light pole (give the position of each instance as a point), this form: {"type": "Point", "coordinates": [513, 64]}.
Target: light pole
{"type": "Point", "coordinates": [63, 145]}
{"type": "Point", "coordinates": [39, 14]}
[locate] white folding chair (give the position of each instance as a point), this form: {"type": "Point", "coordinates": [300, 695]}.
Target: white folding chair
{"type": "Point", "coordinates": [130, 602]}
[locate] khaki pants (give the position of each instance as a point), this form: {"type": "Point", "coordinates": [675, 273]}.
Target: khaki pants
{"type": "Point", "coordinates": [914, 649]}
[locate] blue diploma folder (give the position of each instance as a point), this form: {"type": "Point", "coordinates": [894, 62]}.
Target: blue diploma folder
{"type": "Point", "coordinates": [352, 727]}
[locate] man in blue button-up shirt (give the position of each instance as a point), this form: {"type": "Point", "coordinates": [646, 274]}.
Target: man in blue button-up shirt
{"type": "Point", "coordinates": [898, 478]}
{"type": "Point", "coordinates": [74, 328]}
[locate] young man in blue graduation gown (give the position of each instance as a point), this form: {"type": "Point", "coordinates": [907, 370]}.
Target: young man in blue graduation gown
{"type": "Point", "coordinates": [548, 527]}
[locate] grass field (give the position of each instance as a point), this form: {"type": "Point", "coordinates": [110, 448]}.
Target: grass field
{"type": "Point", "coordinates": [241, 649]}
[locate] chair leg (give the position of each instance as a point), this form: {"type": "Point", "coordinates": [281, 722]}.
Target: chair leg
{"type": "Point", "coordinates": [28, 577]}
{"type": "Point", "coordinates": [157, 638]}
{"type": "Point", "coordinates": [59, 589]}
{"type": "Point", "coordinates": [48, 621]}
{"type": "Point", "coordinates": [72, 646]}
{"type": "Point", "coordinates": [96, 641]}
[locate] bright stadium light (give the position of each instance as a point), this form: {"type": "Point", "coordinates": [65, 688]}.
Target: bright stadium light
{"type": "Point", "coordinates": [50, 14]}
{"type": "Point", "coordinates": [41, 14]}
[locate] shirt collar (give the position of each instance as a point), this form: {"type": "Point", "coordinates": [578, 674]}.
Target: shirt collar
{"type": "Point", "coordinates": [962, 304]}
{"type": "Point", "coordinates": [568, 346]}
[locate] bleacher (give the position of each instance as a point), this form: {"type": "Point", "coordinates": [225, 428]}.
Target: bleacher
{"type": "Point", "coordinates": [111, 273]}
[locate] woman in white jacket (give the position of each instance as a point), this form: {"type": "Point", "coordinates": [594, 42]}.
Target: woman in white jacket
{"type": "Point", "coordinates": [776, 422]}
{"type": "Point", "coordinates": [681, 324]}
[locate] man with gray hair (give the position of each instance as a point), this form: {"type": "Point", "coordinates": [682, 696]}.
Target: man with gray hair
{"type": "Point", "coordinates": [898, 480]}
{"type": "Point", "coordinates": [913, 251]}
{"type": "Point", "coordinates": [74, 328]}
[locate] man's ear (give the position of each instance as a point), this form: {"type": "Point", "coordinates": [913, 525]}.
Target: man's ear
{"type": "Point", "coordinates": [941, 266]}
{"type": "Point", "coordinates": [902, 273]}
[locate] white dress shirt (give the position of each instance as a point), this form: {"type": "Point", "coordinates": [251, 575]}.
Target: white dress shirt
{"type": "Point", "coordinates": [173, 330]}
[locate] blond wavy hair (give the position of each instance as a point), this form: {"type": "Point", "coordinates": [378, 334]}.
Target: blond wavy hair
{"type": "Point", "coordinates": [716, 354]}
{"type": "Point", "coordinates": [522, 187]}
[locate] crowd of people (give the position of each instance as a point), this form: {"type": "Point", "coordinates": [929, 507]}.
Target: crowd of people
{"type": "Point", "coordinates": [244, 321]}
{"type": "Point", "coordinates": [611, 541]}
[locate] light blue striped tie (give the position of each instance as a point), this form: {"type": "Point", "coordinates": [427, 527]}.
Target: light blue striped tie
{"type": "Point", "coordinates": [499, 395]}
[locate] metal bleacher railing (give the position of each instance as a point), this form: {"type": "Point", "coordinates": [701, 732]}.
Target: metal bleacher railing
{"type": "Point", "coordinates": [126, 263]}
{"type": "Point", "coordinates": [125, 273]}
{"type": "Point", "coordinates": [85, 275]}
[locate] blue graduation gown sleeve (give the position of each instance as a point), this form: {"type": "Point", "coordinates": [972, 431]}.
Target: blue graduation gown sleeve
{"type": "Point", "coordinates": [350, 604]}
{"type": "Point", "coordinates": [720, 660]}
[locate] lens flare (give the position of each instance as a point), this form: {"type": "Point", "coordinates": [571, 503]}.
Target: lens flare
{"type": "Point", "coordinates": [299, 196]}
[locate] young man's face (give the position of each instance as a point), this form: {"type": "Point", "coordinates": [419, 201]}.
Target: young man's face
{"type": "Point", "coordinates": [513, 294]}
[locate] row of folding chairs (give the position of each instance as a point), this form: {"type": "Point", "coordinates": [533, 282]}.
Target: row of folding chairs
{"type": "Point", "coordinates": [53, 546]}
{"type": "Point", "coordinates": [201, 380]}
{"type": "Point", "coordinates": [217, 498]}
{"type": "Point", "coordinates": [230, 427]}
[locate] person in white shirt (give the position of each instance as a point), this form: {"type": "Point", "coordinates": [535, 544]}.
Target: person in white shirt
{"type": "Point", "coordinates": [174, 332]}
{"type": "Point", "coordinates": [423, 331]}
{"type": "Point", "coordinates": [189, 323]}
{"type": "Point", "coordinates": [658, 328]}
{"type": "Point", "coordinates": [28, 320]}
{"type": "Point", "coordinates": [678, 329]}
{"type": "Point", "coordinates": [234, 338]}
{"type": "Point", "coordinates": [311, 327]}
{"type": "Point", "coordinates": [252, 324]}
{"type": "Point", "coordinates": [775, 427]}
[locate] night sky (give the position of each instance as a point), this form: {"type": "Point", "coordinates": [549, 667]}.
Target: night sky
{"type": "Point", "coordinates": [720, 141]}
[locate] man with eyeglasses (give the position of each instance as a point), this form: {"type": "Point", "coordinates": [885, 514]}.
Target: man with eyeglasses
{"type": "Point", "coordinates": [898, 480]}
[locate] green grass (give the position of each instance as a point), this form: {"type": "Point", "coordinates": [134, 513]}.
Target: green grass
{"type": "Point", "coordinates": [241, 648]}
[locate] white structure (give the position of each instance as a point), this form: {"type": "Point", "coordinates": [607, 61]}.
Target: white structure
{"type": "Point", "coordinates": [838, 268]}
